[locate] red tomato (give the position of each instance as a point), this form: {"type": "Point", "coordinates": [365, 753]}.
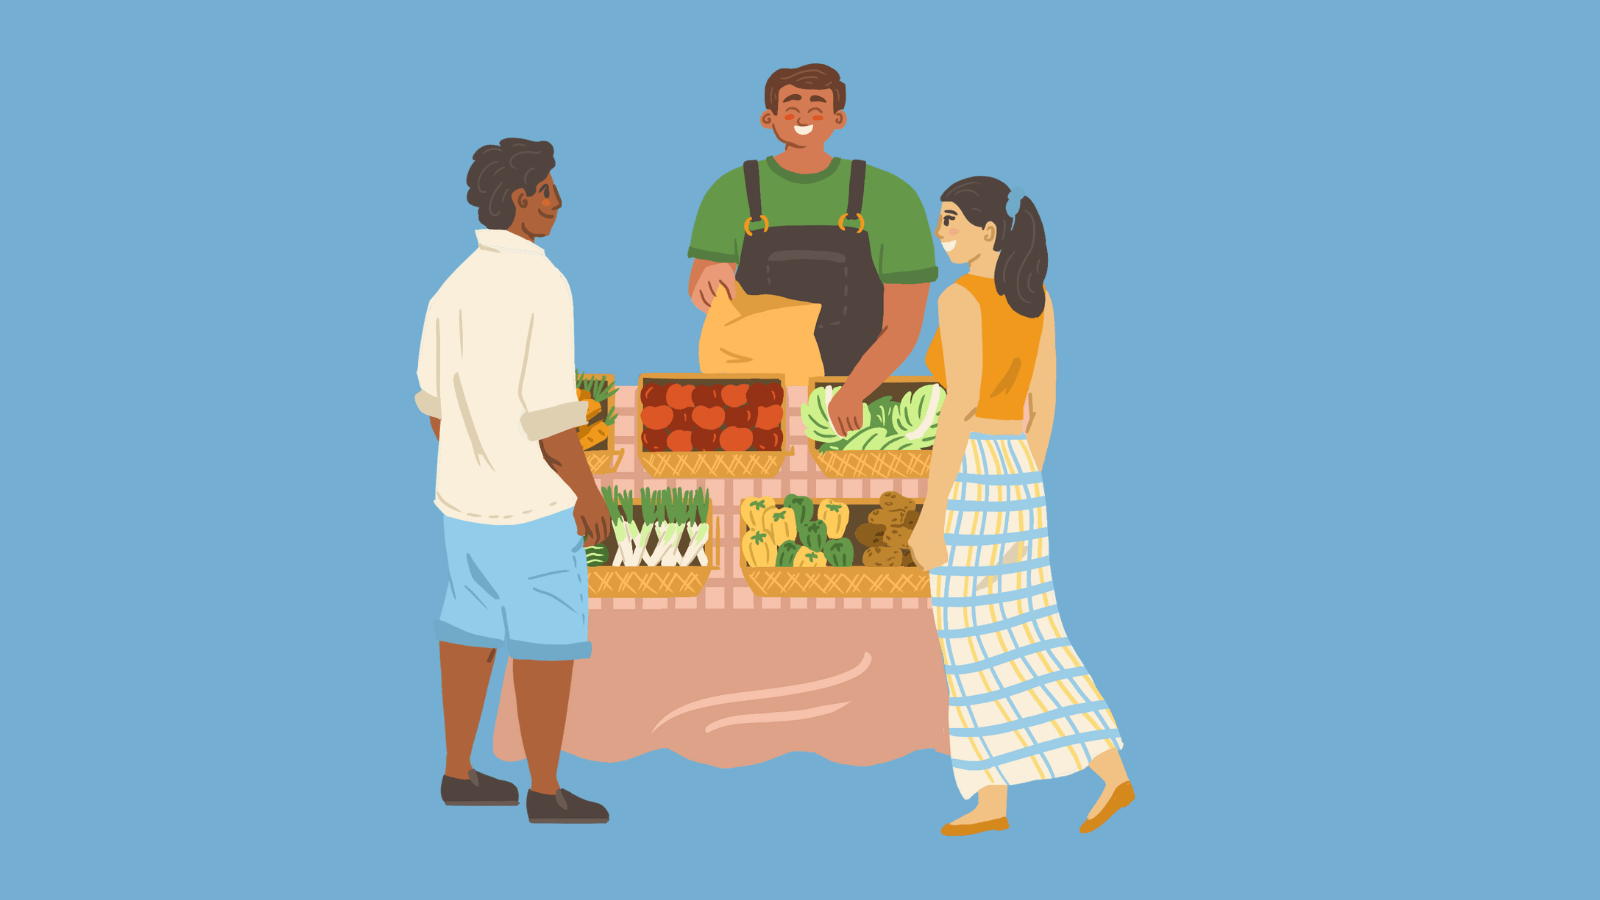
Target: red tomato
{"type": "Point", "coordinates": [735, 395]}
{"type": "Point", "coordinates": [736, 439]}
{"type": "Point", "coordinates": [653, 441]}
{"type": "Point", "coordinates": [682, 419]}
{"type": "Point", "coordinates": [654, 393]}
{"type": "Point", "coordinates": [706, 395]}
{"type": "Point", "coordinates": [740, 417]}
{"type": "Point", "coordinates": [703, 439]}
{"type": "Point", "coordinates": [708, 417]}
{"type": "Point", "coordinates": [656, 417]}
{"type": "Point", "coordinates": [679, 441]}
{"type": "Point", "coordinates": [769, 417]}
{"type": "Point", "coordinates": [768, 439]}
{"type": "Point", "coordinates": [680, 396]}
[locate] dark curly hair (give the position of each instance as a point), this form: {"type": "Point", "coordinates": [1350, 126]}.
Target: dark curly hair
{"type": "Point", "coordinates": [499, 169]}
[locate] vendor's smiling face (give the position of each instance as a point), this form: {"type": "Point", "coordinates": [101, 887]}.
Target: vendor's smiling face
{"type": "Point", "coordinates": [960, 238]}
{"type": "Point", "coordinates": [536, 210]}
{"type": "Point", "coordinates": [805, 116]}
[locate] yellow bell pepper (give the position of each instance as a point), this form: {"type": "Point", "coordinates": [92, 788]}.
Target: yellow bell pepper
{"type": "Point", "coordinates": [836, 516]}
{"type": "Point", "coordinates": [759, 549]}
{"type": "Point", "coordinates": [753, 509]}
{"type": "Point", "coordinates": [779, 523]}
{"type": "Point", "coordinates": [810, 559]}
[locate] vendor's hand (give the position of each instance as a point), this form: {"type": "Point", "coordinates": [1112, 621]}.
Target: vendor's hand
{"type": "Point", "coordinates": [592, 518]}
{"type": "Point", "coordinates": [704, 289]}
{"type": "Point", "coordinates": [927, 542]}
{"type": "Point", "coordinates": [845, 411]}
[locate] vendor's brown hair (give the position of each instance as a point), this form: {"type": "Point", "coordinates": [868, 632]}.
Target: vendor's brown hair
{"type": "Point", "coordinates": [814, 77]}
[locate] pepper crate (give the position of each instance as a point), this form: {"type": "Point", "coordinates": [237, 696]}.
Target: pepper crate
{"type": "Point", "coordinates": [785, 554]}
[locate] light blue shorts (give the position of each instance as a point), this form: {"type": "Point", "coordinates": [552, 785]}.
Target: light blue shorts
{"type": "Point", "coordinates": [522, 587]}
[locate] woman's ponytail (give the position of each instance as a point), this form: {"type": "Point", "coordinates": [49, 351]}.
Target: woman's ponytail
{"type": "Point", "coordinates": [1019, 275]}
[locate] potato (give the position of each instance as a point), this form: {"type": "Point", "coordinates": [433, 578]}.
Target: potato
{"type": "Point", "coordinates": [893, 500]}
{"type": "Point", "coordinates": [913, 516]}
{"type": "Point", "coordinates": [887, 517]}
{"type": "Point", "coordinates": [881, 557]}
{"type": "Point", "coordinates": [896, 536]}
{"type": "Point", "coordinates": [870, 535]}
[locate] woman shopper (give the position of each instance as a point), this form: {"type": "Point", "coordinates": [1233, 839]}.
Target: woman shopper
{"type": "Point", "coordinates": [1022, 705]}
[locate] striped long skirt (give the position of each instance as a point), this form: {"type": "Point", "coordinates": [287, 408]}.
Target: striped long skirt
{"type": "Point", "coordinates": [1022, 705]}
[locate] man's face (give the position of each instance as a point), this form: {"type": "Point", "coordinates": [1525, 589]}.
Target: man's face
{"type": "Point", "coordinates": [536, 210]}
{"type": "Point", "coordinates": [805, 116]}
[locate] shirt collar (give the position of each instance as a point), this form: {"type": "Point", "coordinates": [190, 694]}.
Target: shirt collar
{"type": "Point", "coordinates": [500, 239]}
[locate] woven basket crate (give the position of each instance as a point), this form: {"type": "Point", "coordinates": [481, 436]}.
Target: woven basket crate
{"type": "Point", "coordinates": [714, 463]}
{"type": "Point", "coordinates": [874, 463]}
{"type": "Point", "coordinates": [603, 462]}
{"type": "Point", "coordinates": [604, 458]}
{"type": "Point", "coordinates": [658, 581]}
{"type": "Point", "coordinates": [855, 581]}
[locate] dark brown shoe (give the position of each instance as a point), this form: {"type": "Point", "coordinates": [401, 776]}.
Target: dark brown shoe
{"type": "Point", "coordinates": [477, 789]}
{"type": "Point", "coordinates": [564, 808]}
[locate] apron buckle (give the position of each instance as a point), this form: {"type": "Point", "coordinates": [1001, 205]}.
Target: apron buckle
{"type": "Point", "coordinates": [859, 228]}
{"type": "Point", "coordinates": [766, 225]}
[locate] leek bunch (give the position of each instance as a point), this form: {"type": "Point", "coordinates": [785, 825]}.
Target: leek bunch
{"type": "Point", "coordinates": [669, 516]}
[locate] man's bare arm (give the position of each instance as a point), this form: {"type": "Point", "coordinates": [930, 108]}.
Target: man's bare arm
{"type": "Point", "coordinates": [903, 306]}
{"type": "Point", "coordinates": [705, 277]}
{"type": "Point", "coordinates": [565, 456]}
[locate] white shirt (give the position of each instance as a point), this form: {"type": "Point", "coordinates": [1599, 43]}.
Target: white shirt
{"type": "Point", "coordinates": [496, 368]}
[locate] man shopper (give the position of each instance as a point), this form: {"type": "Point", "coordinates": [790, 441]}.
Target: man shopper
{"type": "Point", "coordinates": [519, 503]}
{"type": "Point", "coordinates": [810, 265]}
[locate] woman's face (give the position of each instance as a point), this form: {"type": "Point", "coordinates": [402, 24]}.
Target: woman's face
{"type": "Point", "coordinates": [961, 239]}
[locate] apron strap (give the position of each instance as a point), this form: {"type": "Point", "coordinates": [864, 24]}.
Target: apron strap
{"type": "Point", "coordinates": [858, 186]}
{"type": "Point", "coordinates": [752, 187]}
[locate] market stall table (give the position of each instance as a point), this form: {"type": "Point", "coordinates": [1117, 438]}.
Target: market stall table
{"type": "Point", "coordinates": [730, 678]}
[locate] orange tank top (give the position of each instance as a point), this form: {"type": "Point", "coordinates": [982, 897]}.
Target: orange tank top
{"type": "Point", "coordinates": [1010, 350]}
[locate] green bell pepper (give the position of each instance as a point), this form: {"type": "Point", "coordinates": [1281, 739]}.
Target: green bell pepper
{"type": "Point", "coordinates": [787, 551]}
{"type": "Point", "coordinates": [840, 553]}
{"type": "Point", "coordinates": [813, 535]}
{"type": "Point", "coordinates": [804, 508]}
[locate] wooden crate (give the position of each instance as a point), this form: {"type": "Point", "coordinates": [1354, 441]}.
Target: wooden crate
{"type": "Point", "coordinates": [875, 463]}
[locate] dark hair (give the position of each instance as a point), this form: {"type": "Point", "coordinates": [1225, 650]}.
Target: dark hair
{"type": "Point", "coordinates": [499, 169]}
{"type": "Point", "coordinates": [1019, 276]}
{"type": "Point", "coordinates": [814, 77]}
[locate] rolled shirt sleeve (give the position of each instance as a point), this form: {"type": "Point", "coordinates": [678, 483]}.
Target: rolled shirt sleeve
{"type": "Point", "coordinates": [546, 388]}
{"type": "Point", "coordinates": [428, 366]}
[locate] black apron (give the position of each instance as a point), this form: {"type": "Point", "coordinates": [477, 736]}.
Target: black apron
{"type": "Point", "coordinates": [829, 265]}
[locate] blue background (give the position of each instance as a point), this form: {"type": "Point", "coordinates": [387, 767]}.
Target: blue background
{"type": "Point", "coordinates": [1325, 462]}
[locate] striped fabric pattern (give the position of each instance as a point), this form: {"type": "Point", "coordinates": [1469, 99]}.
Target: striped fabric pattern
{"type": "Point", "coordinates": [1022, 705]}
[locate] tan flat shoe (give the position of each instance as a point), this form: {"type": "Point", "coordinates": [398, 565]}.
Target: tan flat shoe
{"type": "Point", "coordinates": [1120, 797]}
{"type": "Point", "coordinates": [954, 830]}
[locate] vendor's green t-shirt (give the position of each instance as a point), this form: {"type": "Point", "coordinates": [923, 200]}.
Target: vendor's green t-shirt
{"type": "Point", "coordinates": [902, 244]}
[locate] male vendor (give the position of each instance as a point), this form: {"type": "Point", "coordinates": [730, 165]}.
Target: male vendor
{"type": "Point", "coordinates": [809, 265]}
{"type": "Point", "coordinates": [519, 503]}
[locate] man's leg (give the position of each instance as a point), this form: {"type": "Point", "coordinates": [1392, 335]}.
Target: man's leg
{"type": "Point", "coordinates": [463, 680]}
{"type": "Point", "coordinates": [542, 690]}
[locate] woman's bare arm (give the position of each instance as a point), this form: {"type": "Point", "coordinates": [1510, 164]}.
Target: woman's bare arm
{"type": "Point", "coordinates": [1042, 390]}
{"type": "Point", "coordinates": [961, 331]}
